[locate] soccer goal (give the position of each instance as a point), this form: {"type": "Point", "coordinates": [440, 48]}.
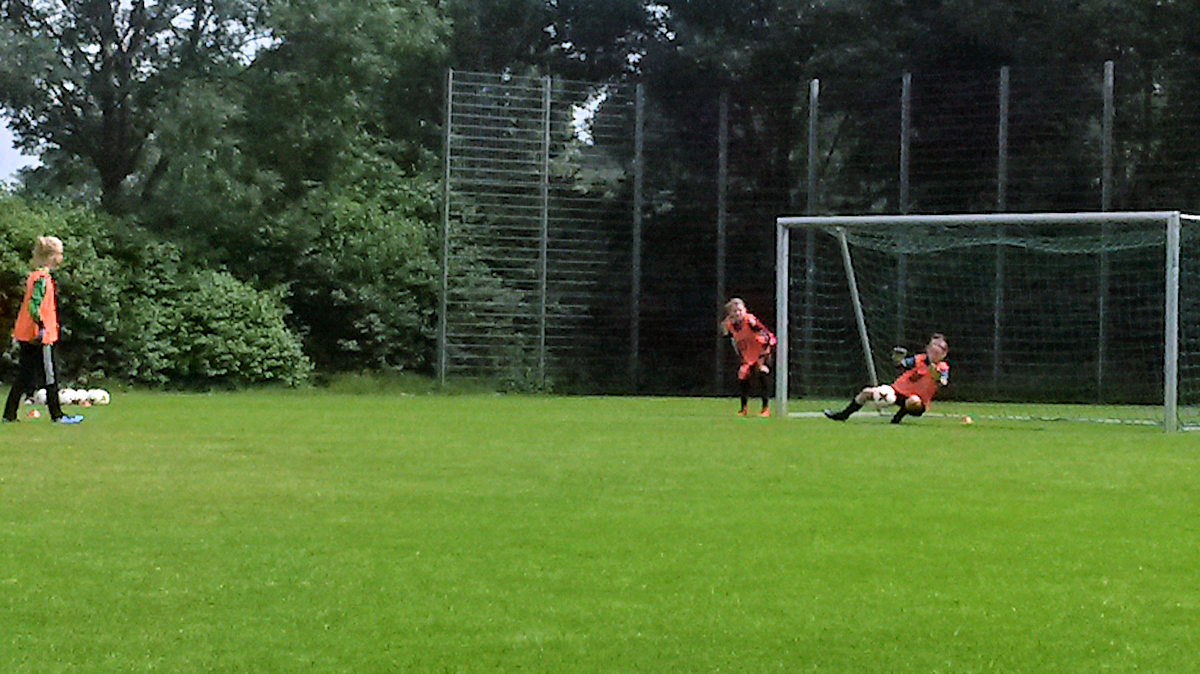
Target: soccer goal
{"type": "Point", "coordinates": [1060, 315]}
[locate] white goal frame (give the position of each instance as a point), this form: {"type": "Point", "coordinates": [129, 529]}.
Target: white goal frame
{"type": "Point", "coordinates": [1171, 221]}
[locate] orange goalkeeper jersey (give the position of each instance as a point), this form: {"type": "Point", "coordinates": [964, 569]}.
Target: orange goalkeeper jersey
{"type": "Point", "coordinates": [38, 305]}
{"type": "Point", "coordinates": [751, 338]}
{"type": "Point", "coordinates": [922, 378]}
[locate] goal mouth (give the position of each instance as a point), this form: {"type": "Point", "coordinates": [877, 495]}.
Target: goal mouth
{"type": "Point", "coordinates": [1091, 310]}
{"type": "Point", "coordinates": [1000, 413]}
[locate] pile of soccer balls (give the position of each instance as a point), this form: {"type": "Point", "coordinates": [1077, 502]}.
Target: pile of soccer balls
{"type": "Point", "coordinates": [84, 397]}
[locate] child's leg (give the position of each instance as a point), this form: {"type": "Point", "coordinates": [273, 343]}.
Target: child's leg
{"type": "Point", "coordinates": [49, 370]}
{"type": "Point", "coordinates": [845, 413]}
{"type": "Point", "coordinates": [53, 405]}
{"type": "Point", "coordinates": [744, 391]}
{"type": "Point", "coordinates": [28, 366]}
{"type": "Point", "coordinates": [911, 406]}
{"type": "Point", "coordinates": [764, 389]}
{"type": "Point", "coordinates": [13, 401]}
{"type": "Point", "coordinates": [853, 406]}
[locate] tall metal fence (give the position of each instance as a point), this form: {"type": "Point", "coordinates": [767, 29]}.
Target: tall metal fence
{"type": "Point", "coordinates": [593, 230]}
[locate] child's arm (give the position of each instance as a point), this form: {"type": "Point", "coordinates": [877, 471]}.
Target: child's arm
{"type": "Point", "coordinates": [943, 369]}
{"type": "Point", "coordinates": [35, 305]}
{"type": "Point", "coordinates": [765, 336]}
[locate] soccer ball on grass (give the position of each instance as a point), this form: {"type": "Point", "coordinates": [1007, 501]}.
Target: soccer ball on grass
{"type": "Point", "coordinates": [884, 395]}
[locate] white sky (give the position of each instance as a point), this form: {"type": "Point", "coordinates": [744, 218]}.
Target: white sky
{"type": "Point", "coordinates": [10, 159]}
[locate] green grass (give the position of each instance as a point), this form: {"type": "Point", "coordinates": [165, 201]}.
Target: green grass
{"type": "Point", "coordinates": [324, 532]}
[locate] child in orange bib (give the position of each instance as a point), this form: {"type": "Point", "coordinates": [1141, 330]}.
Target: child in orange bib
{"type": "Point", "coordinates": [753, 342]}
{"type": "Point", "coordinates": [36, 332]}
{"type": "Point", "coordinates": [922, 376]}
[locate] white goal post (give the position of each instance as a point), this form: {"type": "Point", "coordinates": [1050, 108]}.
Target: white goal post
{"type": "Point", "coordinates": [1040, 308]}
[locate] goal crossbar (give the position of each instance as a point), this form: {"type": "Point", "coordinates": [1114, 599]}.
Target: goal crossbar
{"type": "Point", "coordinates": [1170, 221]}
{"type": "Point", "coordinates": [1086, 218]}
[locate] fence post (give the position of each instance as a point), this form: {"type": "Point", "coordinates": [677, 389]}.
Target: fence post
{"type": "Point", "coordinates": [905, 138]}
{"type": "Point", "coordinates": [1106, 142]}
{"type": "Point", "coordinates": [1106, 178]}
{"type": "Point", "coordinates": [1002, 142]}
{"type": "Point", "coordinates": [810, 239]}
{"type": "Point", "coordinates": [905, 199]}
{"type": "Point", "coordinates": [635, 291]}
{"type": "Point", "coordinates": [722, 216]}
{"type": "Point", "coordinates": [1005, 93]}
{"type": "Point", "coordinates": [544, 232]}
{"type": "Point", "coordinates": [444, 277]}
{"type": "Point", "coordinates": [814, 104]}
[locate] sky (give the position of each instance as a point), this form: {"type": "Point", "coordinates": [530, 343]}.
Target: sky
{"type": "Point", "coordinates": [10, 159]}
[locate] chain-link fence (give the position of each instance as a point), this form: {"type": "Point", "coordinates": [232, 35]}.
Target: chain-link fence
{"type": "Point", "coordinates": [592, 231]}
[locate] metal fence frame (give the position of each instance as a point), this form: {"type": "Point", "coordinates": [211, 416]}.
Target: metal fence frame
{"type": "Point", "coordinates": [733, 210]}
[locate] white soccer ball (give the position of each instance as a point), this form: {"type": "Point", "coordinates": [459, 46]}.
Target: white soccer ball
{"type": "Point", "coordinates": [68, 396]}
{"type": "Point", "coordinates": [884, 395]}
{"type": "Point", "coordinates": [39, 397]}
{"type": "Point", "coordinates": [98, 396]}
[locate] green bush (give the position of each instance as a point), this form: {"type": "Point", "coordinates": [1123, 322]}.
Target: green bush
{"type": "Point", "coordinates": [230, 333]}
{"type": "Point", "coordinates": [134, 311]}
{"type": "Point", "coordinates": [364, 288]}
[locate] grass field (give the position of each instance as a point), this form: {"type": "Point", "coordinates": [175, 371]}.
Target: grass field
{"type": "Point", "coordinates": [322, 532]}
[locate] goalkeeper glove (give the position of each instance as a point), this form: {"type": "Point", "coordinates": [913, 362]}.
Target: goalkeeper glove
{"type": "Point", "coordinates": [944, 373]}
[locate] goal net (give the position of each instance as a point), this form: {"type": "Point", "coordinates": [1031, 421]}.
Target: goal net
{"type": "Point", "coordinates": [1059, 315]}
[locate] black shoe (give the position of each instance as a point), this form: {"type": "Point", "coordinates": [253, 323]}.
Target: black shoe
{"type": "Point", "coordinates": [836, 416]}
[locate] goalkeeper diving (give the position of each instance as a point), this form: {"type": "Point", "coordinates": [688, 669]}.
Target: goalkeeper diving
{"type": "Point", "coordinates": [921, 376]}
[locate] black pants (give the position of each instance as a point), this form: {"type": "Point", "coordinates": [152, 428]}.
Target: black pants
{"type": "Point", "coordinates": [755, 380]}
{"type": "Point", "coordinates": [35, 369]}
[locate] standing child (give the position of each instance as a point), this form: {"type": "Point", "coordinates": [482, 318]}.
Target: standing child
{"type": "Point", "coordinates": [36, 331]}
{"type": "Point", "coordinates": [922, 376]}
{"type": "Point", "coordinates": [753, 342]}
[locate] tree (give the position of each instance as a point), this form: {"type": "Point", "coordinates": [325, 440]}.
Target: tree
{"type": "Point", "coordinates": [496, 35]}
{"type": "Point", "coordinates": [88, 78]}
{"type": "Point", "coordinates": [333, 92]}
{"type": "Point", "coordinates": [574, 39]}
{"type": "Point", "coordinates": [337, 75]}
